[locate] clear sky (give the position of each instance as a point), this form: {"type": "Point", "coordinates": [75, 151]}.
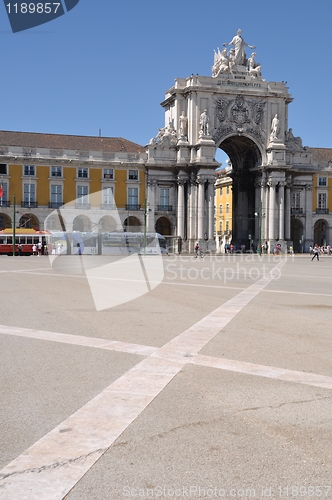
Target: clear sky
{"type": "Point", "coordinates": [106, 64]}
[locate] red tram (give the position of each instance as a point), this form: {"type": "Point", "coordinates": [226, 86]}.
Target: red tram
{"type": "Point", "coordinates": [24, 237]}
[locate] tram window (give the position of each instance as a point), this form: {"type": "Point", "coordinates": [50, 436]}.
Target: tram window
{"type": "Point", "coordinates": [17, 240]}
{"type": "Point", "coordinates": [29, 240]}
{"type": "Point", "coordinates": [9, 240]}
{"type": "Point", "coordinates": [2, 240]}
{"type": "Point", "coordinates": [36, 240]}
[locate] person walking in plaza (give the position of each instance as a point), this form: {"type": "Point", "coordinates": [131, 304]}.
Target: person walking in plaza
{"type": "Point", "coordinates": [34, 250]}
{"type": "Point", "coordinates": [196, 249]}
{"type": "Point", "coordinates": [316, 253]}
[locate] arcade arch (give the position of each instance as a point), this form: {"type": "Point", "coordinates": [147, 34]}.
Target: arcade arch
{"type": "Point", "coordinates": [107, 224]}
{"type": "Point", "coordinates": [163, 226]}
{"type": "Point", "coordinates": [297, 231]}
{"type": "Point", "coordinates": [245, 156]}
{"type": "Point", "coordinates": [5, 221]}
{"type": "Point", "coordinates": [132, 224]}
{"type": "Point", "coordinates": [29, 221]}
{"type": "Point", "coordinates": [320, 232]}
{"type": "Point", "coordinates": [82, 224]}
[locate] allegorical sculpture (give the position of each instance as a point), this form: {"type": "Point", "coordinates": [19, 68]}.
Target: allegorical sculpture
{"type": "Point", "coordinates": [183, 125]}
{"type": "Point", "coordinates": [204, 123]}
{"type": "Point", "coordinates": [274, 129]}
{"type": "Point", "coordinates": [239, 46]}
{"type": "Point", "coordinates": [166, 137]}
{"type": "Point", "coordinates": [228, 63]}
{"type": "Point", "coordinates": [253, 67]}
{"type": "Point", "coordinates": [222, 63]}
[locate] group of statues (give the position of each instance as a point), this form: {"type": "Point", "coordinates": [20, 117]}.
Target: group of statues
{"type": "Point", "coordinates": [224, 63]}
{"type": "Point", "coordinates": [167, 136]}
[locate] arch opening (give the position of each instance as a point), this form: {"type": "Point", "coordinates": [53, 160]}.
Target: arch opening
{"type": "Point", "coordinates": [245, 158]}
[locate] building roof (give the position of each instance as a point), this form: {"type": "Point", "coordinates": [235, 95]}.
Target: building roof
{"type": "Point", "coordinates": [60, 141]}
{"type": "Point", "coordinates": [322, 155]}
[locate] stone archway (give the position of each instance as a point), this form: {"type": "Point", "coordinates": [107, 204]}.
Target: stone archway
{"type": "Point", "coordinates": [297, 232]}
{"type": "Point", "coordinates": [5, 221]}
{"type": "Point", "coordinates": [164, 226]}
{"type": "Point", "coordinates": [82, 224]}
{"type": "Point", "coordinates": [132, 224]}
{"type": "Point", "coordinates": [245, 157]}
{"type": "Point", "coordinates": [320, 232]}
{"type": "Point", "coordinates": [107, 224]}
{"type": "Point", "coordinates": [29, 221]}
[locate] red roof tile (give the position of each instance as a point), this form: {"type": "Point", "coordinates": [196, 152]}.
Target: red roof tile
{"type": "Point", "coordinates": [59, 141]}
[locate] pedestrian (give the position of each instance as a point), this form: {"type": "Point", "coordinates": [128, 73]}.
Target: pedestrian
{"type": "Point", "coordinates": [39, 246]}
{"type": "Point", "coordinates": [34, 249]}
{"type": "Point", "coordinates": [53, 249]}
{"type": "Point", "coordinates": [196, 249]}
{"type": "Point", "coordinates": [316, 252]}
{"type": "Point", "coordinates": [20, 251]}
{"type": "Point", "coordinates": [291, 250]}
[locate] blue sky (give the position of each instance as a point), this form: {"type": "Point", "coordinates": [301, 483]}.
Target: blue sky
{"type": "Point", "coordinates": [107, 64]}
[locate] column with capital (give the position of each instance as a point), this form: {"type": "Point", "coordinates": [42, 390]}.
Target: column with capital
{"type": "Point", "coordinates": [180, 207]}
{"type": "Point", "coordinates": [265, 204]}
{"type": "Point", "coordinates": [272, 209]}
{"type": "Point", "coordinates": [200, 207]}
{"type": "Point", "coordinates": [192, 197]}
{"type": "Point", "coordinates": [151, 200]}
{"type": "Point", "coordinates": [309, 240]}
{"type": "Point", "coordinates": [288, 210]}
{"type": "Point", "coordinates": [211, 209]}
{"type": "Point", "coordinates": [281, 206]}
{"type": "Point", "coordinates": [258, 184]}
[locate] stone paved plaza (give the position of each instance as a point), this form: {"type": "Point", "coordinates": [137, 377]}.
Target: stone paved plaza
{"type": "Point", "coordinates": [215, 384]}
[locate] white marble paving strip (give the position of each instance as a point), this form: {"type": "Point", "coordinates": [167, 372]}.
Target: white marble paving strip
{"type": "Point", "coordinates": [264, 371]}
{"type": "Point", "coordinates": [54, 464]}
{"type": "Point", "coordinates": [65, 338]}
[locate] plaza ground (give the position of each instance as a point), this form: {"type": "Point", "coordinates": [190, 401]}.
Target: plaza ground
{"type": "Point", "coordinates": [216, 383]}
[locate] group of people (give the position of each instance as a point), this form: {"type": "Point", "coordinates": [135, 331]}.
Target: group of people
{"type": "Point", "coordinates": [39, 249]}
{"type": "Point", "coordinates": [317, 250]}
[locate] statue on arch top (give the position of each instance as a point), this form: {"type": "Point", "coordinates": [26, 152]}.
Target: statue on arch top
{"type": "Point", "coordinates": [253, 67]}
{"type": "Point", "coordinates": [239, 46]}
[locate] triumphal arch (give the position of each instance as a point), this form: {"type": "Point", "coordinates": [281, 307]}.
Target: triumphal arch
{"type": "Point", "coordinates": [237, 110]}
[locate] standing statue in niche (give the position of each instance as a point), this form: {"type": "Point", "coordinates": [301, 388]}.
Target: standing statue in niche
{"type": "Point", "coordinates": [204, 123]}
{"type": "Point", "coordinates": [183, 125]}
{"type": "Point", "coordinates": [274, 129]}
{"type": "Point", "coordinates": [239, 44]}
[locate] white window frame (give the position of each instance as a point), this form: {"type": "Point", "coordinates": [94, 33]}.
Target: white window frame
{"type": "Point", "coordinates": [58, 169]}
{"type": "Point", "coordinates": [29, 174]}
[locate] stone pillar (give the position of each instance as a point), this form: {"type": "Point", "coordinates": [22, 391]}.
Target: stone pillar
{"type": "Point", "coordinates": [211, 209]}
{"type": "Point", "coordinates": [281, 203]}
{"type": "Point", "coordinates": [265, 205]}
{"type": "Point", "coordinates": [192, 189]}
{"type": "Point", "coordinates": [200, 208]}
{"type": "Point", "coordinates": [272, 211]}
{"type": "Point", "coordinates": [258, 184]}
{"type": "Point", "coordinates": [308, 236]}
{"type": "Point", "coordinates": [288, 211]}
{"type": "Point", "coordinates": [151, 205]}
{"type": "Point", "coordinates": [180, 208]}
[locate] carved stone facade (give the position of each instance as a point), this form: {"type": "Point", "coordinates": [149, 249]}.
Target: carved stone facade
{"type": "Point", "coordinates": [236, 110]}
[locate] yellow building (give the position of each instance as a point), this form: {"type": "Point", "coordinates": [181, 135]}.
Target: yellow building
{"type": "Point", "coordinates": [42, 172]}
{"type": "Point", "coordinates": [223, 208]}
{"type": "Point", "coordinates": [322, 197]}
